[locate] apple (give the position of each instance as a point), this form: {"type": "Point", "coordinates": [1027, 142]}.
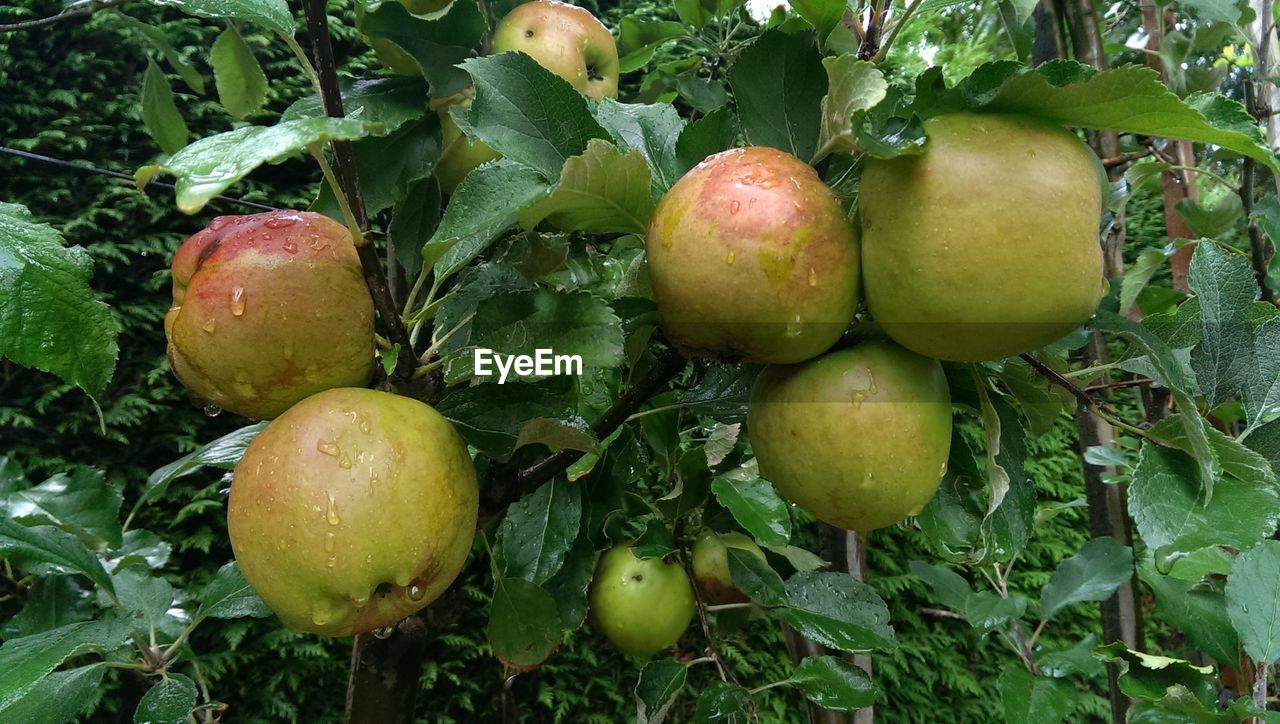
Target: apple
{"type": "Point", "coordinates": [750, 255]}
{"type": "Point", "coordinates": [459, 155]}
{"type": "Point", "coordinates": [353, 509]}
{"type": "Point", "coordinates": [566, 40]}
{"type": "Point", "coordinates": [269, 309]}
{"type": "Point", "coordinates": [986, 245]}
{"type": "Point", "coordinates": [858, 437]}
{"type": "Point", "coordinates": [641, 604]}
{"type": "Point", "coordinates": [711, 566]}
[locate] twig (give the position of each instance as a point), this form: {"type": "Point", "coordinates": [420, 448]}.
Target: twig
{"type": "Point", "coordinates": [1258, 245]}
{"type": "Point", "coordinates": [1122, 383]}
{"type": "Point", "coordinates": [943, 613]}
{"type": "Point", "coordinates": [1094, 406]}
{"type": "Point", "coordinates": [700, 605]}
{"type": "Point", "coordinates": [80, 12]}
{"type": "Point", "coordinates": [345, 171]}
{"type": "Point", "coordinates": [1124, 158]}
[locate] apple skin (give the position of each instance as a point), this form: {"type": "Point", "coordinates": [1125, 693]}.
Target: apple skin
{"type": "Point", "coordinates": [711, 566]}
{"type": "Point", "coordinates": [269, 309]}
{"type": "Point", "coordinates": [641, 605]}
{"type": "Point", "coordinates": [986, 245]}
{"type": "Point", "coordinates": [751, 255]}
{"type": "Point", "coordinates": [859, 437]}
{"type": "Point", "coordinates": [566, 40]}
{"type": "Point", "coordinates": [352, 510]}
{"type": "Point", "coordinates": [459, 155]}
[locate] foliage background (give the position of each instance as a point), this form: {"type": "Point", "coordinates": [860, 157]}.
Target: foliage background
{"type": "Point", "coordinates": [71, 91]}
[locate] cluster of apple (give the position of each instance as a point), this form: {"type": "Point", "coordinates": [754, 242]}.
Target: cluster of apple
{"type": "Point", "coordinates": [354, 508]}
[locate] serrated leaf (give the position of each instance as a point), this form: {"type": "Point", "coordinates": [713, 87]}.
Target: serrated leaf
{"type": "Point", "coordinates": [713, 133]}
{"type": "Point", "coordinates": [538, 531]}
{"type": "Point", "coordinates": [571, 323]}
{"type": "Point", "coordinates": [160, 42]}
{"type": "Point", "coordinates": [494, 417]}
{"type": "Point", "coordinates": [50, 318]}
{"type": "Point", "coordinates": [1149, 677]}
{"type": "Point", "coordinates": [242, 86]}
{"type": "Point", "coordinates": [527, 113]}
{"type": "Point", "coordinates": [58, 697]}
{"type": "Point", "coordinates": [1262, 382]}
{"type": "Point", "coordinates": [47, 545]}
{"type": "Point", "coordinates": [1075, 659]}
{"type": "Point", "coordinates": [638, 39]}
{"type": "Point", "coordinates": [757, 508]}
{"type": "Point", "coordinates": [52, 601]}
{"type": "Point", "coordinates": [603, 190]}
{"type": "Point", "coordinates": [834, 609]}
{"type": "Point", "coordinates": [778, 82]}
{"type": "Point", "coordinates": [822, 15]}
{"type": "Point", "coordinates": [389, 102]}
{"type": "Point", "coordinates": [657, 540]}
{"type": "Point", "coordinates": [834, 684]}
{"type": "Point", "coordinates": [949, 587]}
{"type": "Point", "coordinates": [387, 166]}
{"type": "Point", "coordinates": [213, 164]}
{"type": "Point", "coordinates": [1092, 574]}
{"type": "Point", "coordinates": [83, 503]}
{"type": "Point", "coordinates": [987, 611]}
{"type": "Point", "coordinates": [222, 453]}
{"type": "Point", "coordinates": [483, 206]}
{"type": "Point", "coordinates": [755, 577]}
{"type": "Point", "coordinates": [170, 701]}
{"type": "Point", "coordinates": [1253, 601]}
{"type": "Point", "coordinates": [25, 661]}
{"type": "Point", "coordinates": [652, 130]}
{"type": "Point", "coordinates": [1030, 698]}
{"type": "Point", "coordinates": [853, 86]}
{"type": "Point", "coordinates": [1198, 611]}
{"type": "Point", "coordinates": [659, 685]}
{"type": "Point", "coordinates": [160, 114]}
{"type": "Point", "coordinates": [524, 625]}
{"type": "Point", "coordinates": [721, 392]}
{"type": "Point", "coordinates": [270, 14]}
{"type": "Point", "coordinates": [436, 45]}
{"type": "Point", "coordinates": [1137, 276]}
{"type": "Point", "coordinates": [1225, 286]}
{"type": "Point", "coordinates": [722, 702]}
{"type": "Point", "coordinates": [229, 595]}
{"type": "Point", "coordinates": [1236, 460]}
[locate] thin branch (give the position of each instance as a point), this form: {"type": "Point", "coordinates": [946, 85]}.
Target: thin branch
{"type": "Point", "coordinates": [726, 673]}
{"type": "Point", "coordinates": [80, 12]}
{"type": "Point", "coordinates": [1138, 382]}
{"type": "Point", "coordinates": [1258, 246]}
{"type": "Point", "coordinates": [345, 170]}
{"type": "Point", "coordinates": [943, 613]}
{"type": "Point", "coordinates": [1124, 158]}
{"type": "Point", "coordinates": [1094, 406]}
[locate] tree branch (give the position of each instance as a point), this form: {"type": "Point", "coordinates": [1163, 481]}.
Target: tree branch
{"type": "Point", "coordinates": [1098, 408]}
{"type": "Point", "coordinates": [80, 12]}
{"type": "Point", "coordinates": [348, 178]}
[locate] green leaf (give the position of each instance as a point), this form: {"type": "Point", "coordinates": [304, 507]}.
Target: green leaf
{"type": "Point", "coordinates": [538, 531]}
{"type": "Point", "coordinates": [389, 102]}
{"type": "Point", "coordinates": [834, 609]}
{"type": "Point", "coordinates": [212, 164]}
{"type": "Point", "coordinates": [713, 133]}
{"type": "Point", "coordinates": [1210, 220]}
{"type": "Point", "coordinates": [755, 577]}
{"type": "Point", "coordinates": [1137, 276]}
{"type": "Point", "coordinates": [524, 625]}
{"type": "Point", "coordinates": [1009, 519]}
{"type": "Point", "coordinates": [949, 588]}
{"type": "Point", "coordinates": [778, 82]}
{"type": "Point", "coordinates": [1075, 659]}
{"type": "Point", "coordinates": [721, 392]}
{"type": "Point", "coordinates": [834, 684]}
{"type": "Point", "coordinates": [757, 508]}
{"type": "Point", "coordinates": [83, 503]}
{"type": "Point", "coordinates": [823, 15]}
{"type": "Point", "coordinates": [659, 685]}
{"type": "Point", "coordinates": [160, 114]}
{"type": "Point", "coordinates": [498, 419]}
{"type": "Point", "coordinates": [987, 611]}
{"type": "Point", "coordinates": [603, 190]}
{"type": "Point", "coordinates": [483, 206]}
{"type": "Point", "coordinates": [170, 701]}
{"type": "Point", "coordinates": [50, 318]}
{"type": "Point", "coordinates": [228, 595]}
{"type": "Point", "coordinates": [270, 14]}
{"type": "Point", "coordinates": [1262, 384]}
{"type": "Point", "coordinates": [527, 113]}
{"type": "Point", "coordinates": [657, 540]}
{"type": "Point", "coordinates": [388, 166]}
{"type": "Point", "coordinates": [1092, 574]}
{"type": "Point", "coordinates": [160, 42]}
{"type": "Point", "coordinates": [45, 544]}
{"type": "Point", "coordinates": [1149, 677]}
{"type": "Point", "coordinates": [1253, 601]}
{"type": "Point", "coordinates": [1165, 505]}
{"type": "Point", "coordinates": [242, 87]}
{"type": "Point", "coordinates": [52, 601]}
{"type": "Point", "coordinates": [144, 597]}
{"type": "Point", "coordinates": [703, 94]}
{"type": "Point", "coordinates": [437, 45]}
{"type": "Point", "coordinates": [722, 702]}
{"type": "Point", "coordinates": [58, 697]}
{"type": "Point", "coordinates": [1235, 459]}
{"type": "Point", "coordinates": [25, 661]}
{"type": "Point", "coordinates": [1042, 402]}
{"type": "Point", "coordinates": [638, 39]}
{"type": "Point", "coordinates": [853, 86]}
{"type": "Point", "coordinates": [569, 585]}
{"type": "Point", "coordinates": [1225, 286]}
{"type": "Point", "coordinates": [222, 453]}
{"type": "Point", "coordinates": [571, 323]}
{"type": "Point", "coordinates": [1198, 611]}
{"type": "Point", "coordinates": [1030, 698]}
{"type": "Point", "coordinates": [952, 520]}
{"type": "Point", "coordinates": [652, 130]}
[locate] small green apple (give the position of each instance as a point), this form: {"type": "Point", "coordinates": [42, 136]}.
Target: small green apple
{"type": "Point", "coordinates": [750, 255]}
{"type": "Point", "coordinates": [858, 437]}
{"type": "Point", "coordinates": [711, 566]}
{"type": "Point", "coordinates": [641, 605]}
{"type": "Point", "coordinates": [566, 40]}
{"type": "Point", "coordinates": [352, 510]}
{"type": "Point", "coordinates": [269, 309]}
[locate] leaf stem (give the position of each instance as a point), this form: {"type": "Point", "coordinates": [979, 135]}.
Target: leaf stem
{"type": "Point", "coordinates": [348, 215]}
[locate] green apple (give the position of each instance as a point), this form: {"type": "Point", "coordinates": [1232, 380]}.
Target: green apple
{"type": "Point", "coordinates": [566, 40]}
{"type": "Point", "coordinates": [986, 245]}
{"type": "Point", "coordinates": [641, 605]}
{"type": "Point", "coordinates": [750, 255]}
{"type": "Point", "coordinates": [859, 437]}
{"type": "Point", "coordinates": [269, 309]}
{"type": "Point", "coordinates": [352, 510]}
{"type": "Point", "coordinates": [459, 155]}
{"type": "Point", "coordinates": [711, 566]}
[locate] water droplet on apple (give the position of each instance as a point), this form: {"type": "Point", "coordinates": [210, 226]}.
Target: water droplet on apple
{"type": "Point", "coordinates": [734, 207]}
{"type": "Point", "coordinates": [345, 463]}
{"type": "Point", "coordinates": [365, 426]}
{"type": "Point", "coordinates": [328, 448]}
{"type": "Point", "coordinates": [416, 592]}
{"type": "Point", "coordinates": [384, 632]}
{"type": "Point", "coordinates": [794, 327]}
{"type": "Point", "coordinates": [858, 397]}
{"type": "Point", "coordinates": [290, 247]}
{"type": "Point", "coordinates": [330, 544]}
{"type": "Point", "coordinates": [813, 277]}
{"type": "Point", "coordinates": [322, 614]}
{"type": "Point", "coordinates": [266, 237]}
{"type": "Point", "coordinates": [212, 410]}
{"type": "Point", "coordinates": [361, 600]}
{"type": "Point", "coordinates": [237, 301]}
{"type": "Point", "coordinates": [942, 470]}
{"type": "Point", "coordinates": [730, 258]}
{"type": "Point", "coordinates": [332, 513]}
{"type": "Point", "coordinates": [280, 222]}
{"type": "Point", "coordinates": [209, 325]}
